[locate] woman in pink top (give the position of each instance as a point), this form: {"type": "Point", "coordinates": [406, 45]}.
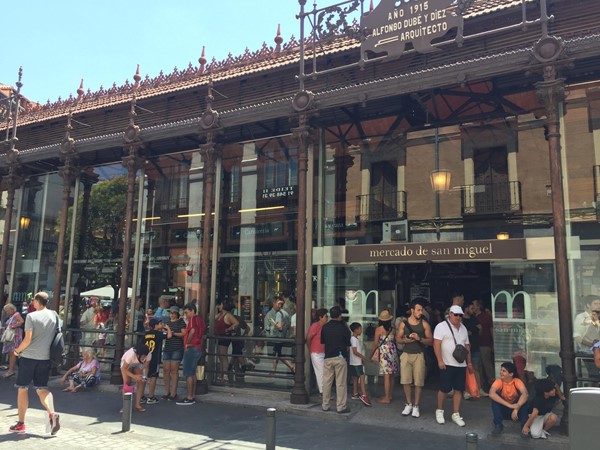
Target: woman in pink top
{"type": "Point", "coordinates": [84, 374]}
{"type": "Point", "coordinates": [317, 350]}
{"type": "Point", "coordinates": [134, 368]}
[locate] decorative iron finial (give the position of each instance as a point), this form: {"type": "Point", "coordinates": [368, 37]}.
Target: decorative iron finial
{"type": "Point", "coordinates": [132, 132]}
{"type": "Point", "coordinates": [136, 78]}
{"type": "Point", "coordinates": [68, 143]}
{"type": "Point", "coordinates": [80, 91]}
{"type": "Point", "coordinates": [19, 84]}
{"type": "Point", "coordinates": [278, 39]}
{"type": "Point", "coordinates": [210, 117]}
{"type": "Point", "coordinates": [209, 95]}
{"type": "Point", "coordinates": [202, 61]}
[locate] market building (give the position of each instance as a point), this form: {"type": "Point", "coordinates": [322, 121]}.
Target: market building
{"type": "Point", "coordinates": [391, 152]}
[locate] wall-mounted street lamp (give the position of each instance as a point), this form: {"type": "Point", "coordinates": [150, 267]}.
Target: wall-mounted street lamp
{"type": "Point", "coordinates": [440, 180]}
{"type": "Point", "coordinates": [502, 236]}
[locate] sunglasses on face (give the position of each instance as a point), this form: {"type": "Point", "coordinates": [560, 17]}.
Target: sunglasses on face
{"type": "Point", "coordinates": [457, 315]}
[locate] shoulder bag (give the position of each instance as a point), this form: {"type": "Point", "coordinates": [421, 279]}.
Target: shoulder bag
{"type": "Point", "coordinates": [460, 352]}
{"type": "Point", "coordinates": [9, 333]}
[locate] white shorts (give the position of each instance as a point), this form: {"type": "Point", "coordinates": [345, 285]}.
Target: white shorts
{"type": "Point", "coordinates": [537, 427]}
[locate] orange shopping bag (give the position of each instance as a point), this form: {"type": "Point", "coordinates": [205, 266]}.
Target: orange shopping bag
{"type": "Point", "coordinates": [471, 385]}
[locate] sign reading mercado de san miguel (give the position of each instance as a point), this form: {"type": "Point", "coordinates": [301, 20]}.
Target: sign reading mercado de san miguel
{"type": "Point", "coordinates": [483, 250]}
{"type": "Point", "coordinates": [395, 23]}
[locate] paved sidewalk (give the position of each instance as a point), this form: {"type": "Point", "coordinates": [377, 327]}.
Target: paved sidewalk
{"type": "Point", "coordinates": [234, 418]}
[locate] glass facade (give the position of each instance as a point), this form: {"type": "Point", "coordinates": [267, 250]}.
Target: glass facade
{"type": "Point", "coordinates": [373, 181]}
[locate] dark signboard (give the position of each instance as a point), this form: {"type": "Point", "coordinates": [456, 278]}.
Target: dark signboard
{"type": "Point", "coordinates": [395, 23]}
{"type": "Point", "coordinates": [277, 192]}
{"type": "Point", "coordinates": [438, 251]}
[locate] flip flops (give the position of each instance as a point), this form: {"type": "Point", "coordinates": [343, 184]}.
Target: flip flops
{"type": "Point", "coordinates": [8, 375]}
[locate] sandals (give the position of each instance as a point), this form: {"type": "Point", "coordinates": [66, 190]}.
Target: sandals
{"type": "Point", "coordinates": [8, 375]}
{"type": "Point", "coordinates": [140, 409]}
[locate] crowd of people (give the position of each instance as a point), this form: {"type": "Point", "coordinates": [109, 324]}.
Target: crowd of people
{"type": "Point", "coordinates": [455, 344]}
{"type": "Point", "coordinates": [401, 347]}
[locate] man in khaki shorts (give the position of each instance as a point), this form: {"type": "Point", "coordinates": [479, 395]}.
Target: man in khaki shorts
{"type": "Point", "coordinates": [414, 333]}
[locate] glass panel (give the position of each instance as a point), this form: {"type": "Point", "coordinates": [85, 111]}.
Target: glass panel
{"type": "Point", "coordinates": [581, 175]}
{"type": "Point", "coordinates": [362, 296]}
{"type": "Point", "coordinates": [258, 254]}
{"type": "Point", "coordinates": [171, 230]}
{"type": "Point", "coordinates": [525, 314]}
{"type": "Point", "coordinates": [37, 230]}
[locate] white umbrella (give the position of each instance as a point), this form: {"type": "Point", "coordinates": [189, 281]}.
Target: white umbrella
{"type": "Point", "coordinates": [105, 291]}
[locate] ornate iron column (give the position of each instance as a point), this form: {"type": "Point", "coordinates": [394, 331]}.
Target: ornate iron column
{"type": "Point", "coordinates": [132, 162]}
{"type": "Point", "coordinates": [69, 172]}
{"type": "Point", "coordinates": [13, 181]}
{"type": "Point", "coordinates": [550, 93]}
{"type": "Point", "coordinates": [299, 395]}
{"type": "Point", "coordinates": [209, 123]}
{"type": "Point", "coordinates": [209, 157]}
{"type": "Point", "coordinates": [88, 179]}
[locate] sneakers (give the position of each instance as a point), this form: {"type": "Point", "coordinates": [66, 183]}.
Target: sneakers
{"type": "Point", "coordinates": [439, 416]}
{"type": "Point", "coordinates": [18, 427]}
{"type": "Point", "coordinates": [415, 412]}
{"type": "Point", "coordinates": [497, 430]}
{"type": "Point", "coordinates": [346, 410]}
{"type": "Point", "coordinates": [466, 395]}
{"type": "Point", "coordinates": [483, 393]}
{"type": "Point", "coordinates": [408, 407]}
{"type": "Point", "coordinates": [458, 420]}
{"type": "Point", "coordinates": [144, 399]}
{"type": "Point", "coordinates": [55, 423]}
{"type": "Point", "coordinates": [151, 400]}
{"type": "Point", "coordinates": [185, 402]}
{"type": "Point", "coordinates": [355, 397]}
{"type": "Point", "coordinates": [365, 400]}
{"type": "Point", "coordinates": [166, 397]}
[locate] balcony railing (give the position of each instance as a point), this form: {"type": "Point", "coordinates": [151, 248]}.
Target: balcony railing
{"type": "Point", "coordinates": [387, 206]}
{"type": "Point", "coordinates": [492, 198]}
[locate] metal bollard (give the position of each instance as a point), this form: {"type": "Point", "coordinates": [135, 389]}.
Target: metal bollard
{"type": "Point", "coordinates": [270, 429]}
{"type": "Point", "coordinates": [127, 407]}
{"type": "Point", "coordinates": [472, 440]}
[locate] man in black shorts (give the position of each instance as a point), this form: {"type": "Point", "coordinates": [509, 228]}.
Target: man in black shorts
{"type": "Point", "coordinates": [34, 362]}
{"type": "Point", "coordinates": [446, 336]}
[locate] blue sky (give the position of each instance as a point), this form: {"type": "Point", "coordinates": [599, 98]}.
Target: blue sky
{"type": "Point", "coordinates": [60, 42]}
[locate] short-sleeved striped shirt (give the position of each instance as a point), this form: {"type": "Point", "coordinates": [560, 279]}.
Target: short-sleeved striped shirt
{"type": "Point", "coordinates": [176, 342]}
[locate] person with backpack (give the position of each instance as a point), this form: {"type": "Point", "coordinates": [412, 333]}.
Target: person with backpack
{"type": "Point", "coordinates": [34, 362]}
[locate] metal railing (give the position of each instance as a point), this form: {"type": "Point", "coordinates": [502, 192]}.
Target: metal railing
{"type": "Point", "coordinates": [381, 206]}
{"type": "Point", "coordinates": [491, 198]}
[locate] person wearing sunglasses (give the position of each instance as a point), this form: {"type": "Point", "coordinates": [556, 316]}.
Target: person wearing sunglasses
{"type": "Point", "coordinates": [446, 337]}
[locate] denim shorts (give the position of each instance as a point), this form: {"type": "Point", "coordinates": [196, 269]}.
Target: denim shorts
{"type": "Point", "coordinates": [190, 360]}
{"type": "Point", "coordinates": [175, 355]}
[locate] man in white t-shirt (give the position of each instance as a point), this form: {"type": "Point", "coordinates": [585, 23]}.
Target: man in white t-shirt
{"type": "Point", "coordinates": [584, 339]}
{"type": "Point", "coordinates": [446, 336]}
{"type": "Point", "coordinates": [34, 362]}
